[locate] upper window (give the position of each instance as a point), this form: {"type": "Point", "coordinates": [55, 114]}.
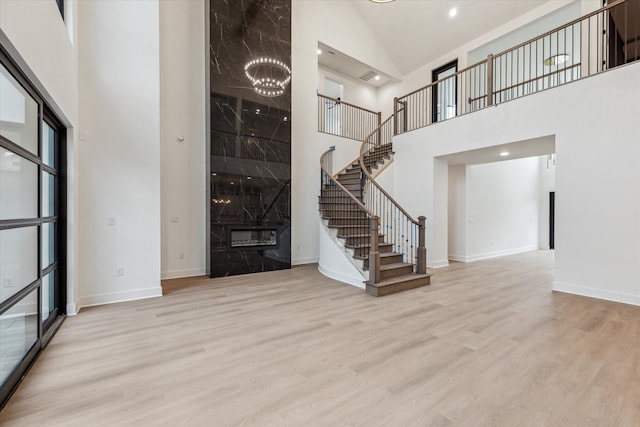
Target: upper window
{"type": "Point", "coordinates": [60, 4]}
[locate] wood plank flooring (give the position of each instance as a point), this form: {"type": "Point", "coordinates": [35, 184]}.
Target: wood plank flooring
{"type": "Point", "coordinates": [487, 344]}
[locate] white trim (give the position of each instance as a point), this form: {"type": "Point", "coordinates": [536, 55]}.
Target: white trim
{"type": "Point", "coordinates": [72, 309]}
{"type": "Point", "coordinates": [302, 261]}
{"type": "Point", "coordinates": [341, 277]}
{"type": "Point", "coordinates": [115, 297]}
{"type": "Point", "coordinates": [177, 274]}
{"type": "Point", "coordinates": [494, 254]}
{"type": "Point", "coordinates": [438, 264]}
{"type": "Point", "coordinates": [596, 293]}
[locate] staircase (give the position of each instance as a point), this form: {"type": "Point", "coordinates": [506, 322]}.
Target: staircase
{"type": "Point", "coordinates": [342, 209]}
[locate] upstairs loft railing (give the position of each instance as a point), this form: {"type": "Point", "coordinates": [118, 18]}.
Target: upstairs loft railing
{"type": "Point", "coordinates": [599, 41]}
{"type": "Point", "coordinates": [340, 118]}
{"type": "Point", "coordinates": [406, 234]}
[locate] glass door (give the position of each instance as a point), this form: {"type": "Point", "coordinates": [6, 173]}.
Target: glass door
{"type": "Point", "coordinates": [445, 93]}
{"type": "Point", "coordinates": [31, 225]}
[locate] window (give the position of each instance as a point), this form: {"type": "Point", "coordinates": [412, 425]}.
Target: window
{"type": "Point", "coordinates": [32, 224]}
{"type": "Point", "coordinates": [60, 4]}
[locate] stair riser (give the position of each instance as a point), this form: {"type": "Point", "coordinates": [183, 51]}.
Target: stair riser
{"type": "Point", "coordinates": [349, 231]}
{"type": "Point", "coordinates": [404, 286]}
{"type": "Point", "coordinates": [387, 274]}
{"type": "Point", "coordinates": [365, 251]}
{"type": "Point", "coordinates": [358, 240]}
{"type": "Point", "coordinates": [385, 260]}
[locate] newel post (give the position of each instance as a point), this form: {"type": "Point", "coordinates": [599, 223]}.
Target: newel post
{"type": "Point", "coordinates": [421, 265]}
{"type": "Point", "coordinates": [490, 79]}
{"type": "Point", "coordinates": [395, 116]}
{"type": "Point", "coordinates": [374, 252]}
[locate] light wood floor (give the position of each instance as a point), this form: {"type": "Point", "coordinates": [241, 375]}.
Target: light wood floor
{"type": "Point", "coordinates": [488, 344]}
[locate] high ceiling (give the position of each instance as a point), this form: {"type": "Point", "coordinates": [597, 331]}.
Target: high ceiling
{"type": "Point", "coordinates": [415, 32]}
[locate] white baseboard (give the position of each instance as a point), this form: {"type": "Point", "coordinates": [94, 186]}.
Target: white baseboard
{"type": "Point", "coordinates": [438, 264]}
{"type": "Point", "coordinates": [177, 274]}
{"type": "Point", "coordinates": [342, 278]}
{"type": "Point", "coordinates": [302, 261]}
{"type": "Point", "coordinates": [119, 297]}
{"type": "Point", "coordinates": [596, 293]}
{"type": "Point", "coordinates": [72, 309]}
{"type": "Point", "coordinates": [493, 254]}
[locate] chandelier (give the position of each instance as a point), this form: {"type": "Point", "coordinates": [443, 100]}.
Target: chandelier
{"type": "Point", "coordinates": [269, 77]}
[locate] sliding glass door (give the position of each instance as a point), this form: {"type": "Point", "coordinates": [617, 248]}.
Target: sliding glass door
{"type": "Point", "coordinates": [32, 273]}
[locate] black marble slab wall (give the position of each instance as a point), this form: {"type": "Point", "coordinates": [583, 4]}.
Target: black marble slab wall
{"type": "Point", "coordinates": [250, 165]}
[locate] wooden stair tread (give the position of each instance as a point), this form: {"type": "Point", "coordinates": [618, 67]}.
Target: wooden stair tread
{"type": "Point", "coordinates": [398, 284]}
{"type": "Point", "coordinates": [394, 265]}
{"type": "Point", "coordinates": [382, 255]}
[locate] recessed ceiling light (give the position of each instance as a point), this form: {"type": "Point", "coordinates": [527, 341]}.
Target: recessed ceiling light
{"type": "Point", "coordinates": [232, 183]}
{"type": "Point", "coordinates": [248, 177]}
{"type": "Point", "coordinates": [381, 1]}
{"type": "Point", "coordinates": [504, 153]}
{"type": "Point", "coordinates": [558, 59]}
{"type": "Point", "coordinates": [8, 154]}
{"type": "Point", "coordinates": [214, 174]}
{"type": "Point", "coordinates": [453, 12]}
{"type": "Point", "coordinates": [377, 77]}
{"type": "Point", "coordinates": [319, 51]}
{"type": "Point", "coordinates": [285, 118]}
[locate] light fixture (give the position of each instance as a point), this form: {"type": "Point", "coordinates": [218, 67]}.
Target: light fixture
{"type": "Point", "coordinates": [214, 174]}
{"type": "Point", "coordinates": [221, 201]}
{"type": "Point", "coordinates": [381, 1]}
{"type": "Point", "coordinates": [504, 153]}
{"type": "Point", "coordinates": [558, 59]}
{"type": "Point", "coordinates": [285, 118]}
{"type": "Point", "coordinates": [453, 12]}
{"type": "Point", "coordinates": [319, 51]}
{"type": "Point", "coordinates": [232, 183]}
{"type": "Point", "coordinates": [377, 77]}
{"type": "Point", "coordinates": [268, 76]}
{"type": "Point", "coordinates": [257, 111]}
{"type": "Point", "coordinates": [8, 154]}
{"type": "Point", "coordinates": [248, 177]}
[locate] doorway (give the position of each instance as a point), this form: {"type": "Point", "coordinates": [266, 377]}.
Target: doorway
{"type": "Point", "coordinates": [333, 109]}
{"type": "Point", "coordinates": [445, 93]}
{"type": "Point", "coordinates": [552, 214]}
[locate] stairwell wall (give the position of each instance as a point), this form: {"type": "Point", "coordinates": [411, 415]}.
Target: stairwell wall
{"type": "Point", "coordinates": [598, 195]}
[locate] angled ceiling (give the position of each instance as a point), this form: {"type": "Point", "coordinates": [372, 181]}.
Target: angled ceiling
{"type": "Point", "coordinates": [416, 32]}
{"type": "Point", "coordinates": [343, 64]}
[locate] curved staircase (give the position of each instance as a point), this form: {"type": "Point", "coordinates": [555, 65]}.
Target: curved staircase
{"type": "Point", "coordinates": [343, 208]}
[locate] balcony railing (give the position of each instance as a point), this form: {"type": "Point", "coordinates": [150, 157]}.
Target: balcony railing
{"type": "Point", "coordinates": [340, 118]}
{"type": "Point", "coordinates": [599, 41]}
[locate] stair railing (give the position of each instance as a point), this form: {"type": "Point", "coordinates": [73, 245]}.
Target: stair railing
{"type": "Point", "coordinates": [406, 234]}
{"type": "Point", "coordinates": [601, 40]}
{"type": "Point", "coordinates": [340, 118]}
{"type": "Point", "coordinates": [348, 210]}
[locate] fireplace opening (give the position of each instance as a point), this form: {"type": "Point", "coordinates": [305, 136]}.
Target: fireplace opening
{"type": "Point", "coordinates": [253, 238]}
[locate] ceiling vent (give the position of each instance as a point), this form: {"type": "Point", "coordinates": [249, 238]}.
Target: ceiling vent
{"type": "Point", "coordinates": [368, 76]}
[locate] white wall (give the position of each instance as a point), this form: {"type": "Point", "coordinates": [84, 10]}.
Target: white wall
{"type": "Point", "coordinates": [45, 48]}
{"type": "Point", "coordinates": [360, 94]}
{"type": "Point", "coordinates": [119, 81]}
{"type": "Point", "coordinates": [597, 226]}
{"type": "Point", "coordinates": [501, 208]}
{"type": "Point", "coordinates": [182, 116]}
{"type": "Point", "coordinates": [457, 213]}
{"type": "Point", "coordinates": [337, 24]}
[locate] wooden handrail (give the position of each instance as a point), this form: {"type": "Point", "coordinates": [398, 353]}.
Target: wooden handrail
{"type": "Point", "coordinates": [525, 82]}
{"type": "Point", "coordinates": [335, 181]}
{"type": "Point", "coordinates": [370, 177]}
{"type": "Point", "coordinates": [339, 101]}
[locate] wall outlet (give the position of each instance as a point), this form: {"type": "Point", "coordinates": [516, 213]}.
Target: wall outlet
{"type": "Point", "coordinates": [7, 282]}
{"type": "Point", "coordinates": [181, 255]}
{"type": "Point", "coordinates": [111, 220]}
{"type": "Point", "coordinates": [119, 272]}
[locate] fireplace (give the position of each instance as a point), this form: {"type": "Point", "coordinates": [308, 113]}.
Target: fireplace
{"type": "Point", "coordinates": [253, 237]}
